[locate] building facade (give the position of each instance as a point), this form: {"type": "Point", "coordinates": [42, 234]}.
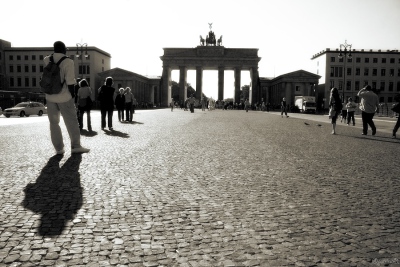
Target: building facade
{"type": "Point", "coordinates": [378, 68]}
{"type": "Point", "coordinates": [289, 85]}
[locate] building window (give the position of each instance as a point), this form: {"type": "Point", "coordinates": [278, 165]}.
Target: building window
{"type": "Point", "coordinates": [392, 60]}
{"type": "Point", "coordinates": [11, 57]}
{"type": "Point", "coordinates": [366, 60]}
{"type": "Point", "coordinates": [33, 68]}
{"type": "Point", "coordinates": [19, 82]}
{"type": "Point", "coordinates": [34, 81]}
{"type": "Point", "coordinates": [358, 59]}
{"type": "Point", "coordinates": [390, 99]}
{"type": "Point", "coordinates": [33, 57]}
{"type": "Point", "coordinates": [12, 69]}
{"type": "Point", "coordinates": [340, 85]}
{"type": "Point", "coordinates": [357, 85]}
{"type": "Point", "coordinates": [85, 69]}
{"type": "Point", "coordinates": [26, 57]}
{"type": "Point", "coordinates": [18, 68]}
{"type": "Point", "coordinates": [12, 81]}
{"type": "Point", "coordinates": [349, 60]}
{"type": "Point", "coordinates": [358, 71]}
{"type": "Point", "coordinates": [26, 82]}
{"type": "Point", "coordinates": [297, 88]}
{"type": "Point", "coordinates": [348, 85]}
{"type": "Point", "coordinates": [102, 61]}
{"type": "Point", "coordinates": [366, 71]}
{"type": "Point", "coordinates": [398, 86]}
{"type": "Point", "coordinates": [41, 68]}
{"type": "Point", "coordinates": [383, 60]}
{"type": "Point", "coordinates": [366, 83]}
{"type": "Point", "coordinates": [332, 83]}
{"type": "Point", "coordinates": [375, 60]}
{"type": "Point", "coordinates": [382, 87]}
{"type": "Point", "coordinates": [381, 99]}
{"type": "Point", "coordinates": [348, 71]}
{"type": "Point", "coordinates": [391, 85]}
{"type": "Point", "coordinates": [26, 68]}
{"type": "Point", "coordinates": [18, 57]}
{"type": "Point", "coordinates": [41, 57]}
{"type": "Point", "coordinates": [391, 72]}
{"type": "Point", "coordinates": [374, 72]}
{"type": "Point", "coordinates": [333, 71]}
{"type": "Point", "coordinates": [373, 85]}
{"type": "Point", "coordinates": [383, 72]}
{"type": "Point", "coordinates": [340, 59]}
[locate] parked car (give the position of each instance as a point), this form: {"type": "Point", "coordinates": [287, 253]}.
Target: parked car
{"type": "Point", "coordinates": [26, 109]}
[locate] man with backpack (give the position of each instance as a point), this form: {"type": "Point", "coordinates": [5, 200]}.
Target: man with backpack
{"type": "Point", "coordinates": [60, 98]}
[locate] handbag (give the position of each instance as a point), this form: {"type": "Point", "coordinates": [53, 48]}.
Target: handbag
{"type": "Point", "coordinates": [332, 112]}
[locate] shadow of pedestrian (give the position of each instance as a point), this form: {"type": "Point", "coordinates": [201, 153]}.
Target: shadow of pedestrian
{"type": "Point", "coordinates": [56, 194]}
{"type": "Point", "coordinates": [133, 122]}
{"type": "Point", "coordinates": [88, 133]}
{"type": "Point", "coordinates": [117, 133]}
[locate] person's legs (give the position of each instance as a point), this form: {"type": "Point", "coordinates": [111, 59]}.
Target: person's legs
{"type": "Point", "coordinates": [68, 112]}
{"type": "Point", "coordinates": [371, 123]}
{"type": "Point", "coordinates": [103, 118]}
{"type": "Point", "coordinates": [80, 120]}
{"type": "Point", "coordinates": [396, 127]}
{"type": "Point", "coordinates": [89, 120]}
{"type": "Point", "coordinates": [109, 117]}
{"type": "Point", "coordinates": [53, 114]}
{"type": "Point", "coordinates": [364, 117]}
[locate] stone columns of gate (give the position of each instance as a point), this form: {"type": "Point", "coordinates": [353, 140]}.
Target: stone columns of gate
{"type": "Point", "coordinates": [166, 87]}
{"type": "Point", "coordinates": [221, 71]}
{"type": "Point", "coordinates": [237, 74]}
{"type": "Point", "coordinates": [182, 83]}
{"type": "Point", "coordinates": [199, 82]}
{"type": "Point", "coordinates": [255, 94]}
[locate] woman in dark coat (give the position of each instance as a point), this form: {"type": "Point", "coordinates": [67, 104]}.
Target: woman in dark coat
{"type": "Point", "coordinates": [106, 97]}
{"type": "Point", "coordinates": [335, 107]}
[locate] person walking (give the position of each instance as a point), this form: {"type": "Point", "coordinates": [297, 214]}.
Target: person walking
{"type": "Point", "coordinates": [120, 104]}
{"type": "Point", "coordinates": [191, 104]}
{"type": "Point", "coordinates": [343, 115]}
{"type": "Point", "coordinates": [106, 97]}
{"type": "Point", "coordinates": [128, 104]}
{"type": "Point", "coordinates": [172, 105]}
{"type": "Point", "coordinates": [84, 103]}
{"type": "Point", "coordinates": [396, 109]}
{"type": "Point", "coordinates": [335, 107]}
{"type": "Point", "coordinates": [351, 108]}
{"type": "Point", "coordinates": [62, 103]}
{"type": "Point", "coordinates": [284, 108]}
{"type": "Point", "coordinates": [247, 105]}
{"type": "Point", "coordinates": [369, 103]}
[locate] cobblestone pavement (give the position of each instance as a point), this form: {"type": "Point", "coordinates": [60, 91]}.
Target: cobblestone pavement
{"type": "Point", "coordinates": [214, 188]}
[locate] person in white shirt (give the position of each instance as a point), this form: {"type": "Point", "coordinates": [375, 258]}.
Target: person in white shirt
{"type": "Point", "coordinates": [368, 105]}
{"type": "Point", "coordinates": [351, 108]}
{"type": "Point", "coordinates": [84, 103]}
{"type": "Point", "coordinates": [63, 104]}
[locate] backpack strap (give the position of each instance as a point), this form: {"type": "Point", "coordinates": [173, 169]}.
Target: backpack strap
{"type": "Point", "coordinates": [61, 60]}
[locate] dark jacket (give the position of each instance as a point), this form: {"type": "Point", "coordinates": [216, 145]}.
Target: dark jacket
{"type": "Point", "coordinates": [120, 101]}
{"type": "Point", "coordinates": [106, 97]}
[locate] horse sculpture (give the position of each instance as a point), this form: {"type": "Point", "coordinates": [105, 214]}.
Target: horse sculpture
{"type": "Point", "coordinates": [202, 40]}
{"type": "Point", "coordinates": [219, 41]}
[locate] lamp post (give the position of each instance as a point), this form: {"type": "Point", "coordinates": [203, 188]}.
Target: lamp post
{"type": "Point", "coordinates": [345, 52]}
{"type": "Point", "coordinates": [81, 47]}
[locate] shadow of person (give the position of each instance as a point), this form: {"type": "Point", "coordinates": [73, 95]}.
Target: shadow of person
{"type": "Point", "coordinates": [56, 194]}
{"type": "Point", "coordinates": [88, 133]}
{"type": "Point", "coordinates": [117, 133]}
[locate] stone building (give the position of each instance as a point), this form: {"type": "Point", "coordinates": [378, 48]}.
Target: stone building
{"type": "Point", "coordinates": [351, 72]}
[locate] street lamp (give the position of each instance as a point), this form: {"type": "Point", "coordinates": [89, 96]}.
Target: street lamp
{"type": "Point", "coordinates": [345, 51]}
{"type": "Point", "coordinates": [81, 46]}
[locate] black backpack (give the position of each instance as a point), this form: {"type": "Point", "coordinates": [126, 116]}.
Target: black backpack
{"type": "Point", "coordinates": [50, 82]}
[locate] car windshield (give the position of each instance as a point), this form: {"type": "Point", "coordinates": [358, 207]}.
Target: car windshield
{"type": "Point", "coordinates": [21, 105]}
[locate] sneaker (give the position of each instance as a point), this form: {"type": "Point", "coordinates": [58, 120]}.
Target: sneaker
{"type": "Point", "coordinates": [80, 150]}
{"type": "Point", "coordinates": [60, 152]}
{"type": "Point", "coordinates": [374, 132]}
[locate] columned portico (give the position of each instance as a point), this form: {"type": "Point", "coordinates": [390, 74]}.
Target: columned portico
{"type": "Point", "coordinates": [221, 72]}
{"type": "Point", "coordinates": [237, 73]}
{"type": "Point", "coordinates": [208, 58]}
{"type": "Point", "coordinates": [199, 82]}
{"type": "Point", "coordinates": [183, 81]}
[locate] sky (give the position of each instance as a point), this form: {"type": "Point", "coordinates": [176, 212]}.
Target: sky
{"type": "Point", "coordinates": [286, 32]}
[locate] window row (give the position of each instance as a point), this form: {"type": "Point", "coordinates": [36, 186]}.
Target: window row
{"type": "Point", "coordinates": [381, 86]}
{"type": "Point", "coordinates": [83, 69]}
{"type": "Point", "coordinates": [366, 60]}
{"type": "Point", "coordinates": [338, 72]}
{"type": "Point", "coordinates": [28, 82]}
{"type": "Point", "coordinates": [41, 57]}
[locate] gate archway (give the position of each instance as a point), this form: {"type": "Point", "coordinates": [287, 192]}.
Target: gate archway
{"type": "Point", "coordinates": [209, 58]}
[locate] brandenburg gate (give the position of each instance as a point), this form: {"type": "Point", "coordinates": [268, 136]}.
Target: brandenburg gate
{"type": "Point", "coordinates": [212, 56]}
